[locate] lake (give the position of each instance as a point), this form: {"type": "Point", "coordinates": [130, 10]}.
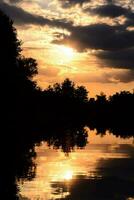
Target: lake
{"type": "Point", "coordinates": [102, 170]}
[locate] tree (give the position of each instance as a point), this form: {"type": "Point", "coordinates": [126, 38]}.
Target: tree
{"type": "Point", "coordinates": [16, 108]}
{"type": "Point", "coordinates": [16, 70]}
{"type": "Point", "coordinates": [27, 67]}
{"type": "Point", "coordinates": [18, 90]}
{"type": "Point", "coordinates": [10, 47]}
{"type": "Point", "coordinates": [81, 94]}
{"type": "Point", "coordinates": [68, 88]}
{"type": "Point", "coordinates": [101, 99]}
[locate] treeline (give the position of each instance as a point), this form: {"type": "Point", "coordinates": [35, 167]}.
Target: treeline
{"type": "Point", "coordinates": [24, 104]}
{"type": "Point", "coordinates": [115, 111]}
{"type": "Point", "coordinates": [70, 102]}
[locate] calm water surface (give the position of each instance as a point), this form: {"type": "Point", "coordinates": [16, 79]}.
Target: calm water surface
{"type": "Point", "coordinates": [104, 169]}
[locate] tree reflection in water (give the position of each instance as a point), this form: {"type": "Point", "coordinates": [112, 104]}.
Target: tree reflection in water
{"type": "Point", "coordinates": [67, 139]}
{"type": "Point", "coordinates": [114, 179]}
{"type": "Point", "coordinates": [18, 160]}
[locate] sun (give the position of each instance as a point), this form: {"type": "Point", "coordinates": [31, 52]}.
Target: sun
{"type": "Point", "coordinates": [66, 52]}
{"type": "Point", "coordinates": [62, 55]}
{"type": "Point", "coordinates": [68, 175]}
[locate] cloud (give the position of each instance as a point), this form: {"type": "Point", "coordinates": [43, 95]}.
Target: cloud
{"type": "Point", "coordinates": [14, 1]}
{"type": "Point", "coordinates": [99, 37]}
{"type": "Point", "coordinates": [129, 19]}
{"type": "Point", "coordinates": [114, 46]}
{"type": "Point", "coordinates": [116, 76]}
{"type": "Point", "coordinates": [70, 3]}
{"type": "Point", "coordinates": [49, 71]}
{"type": "Point", "coordinates": [125, 77]}
{"type": "Point", "coordinates": [109, 10]}
{"type": "Point", "coordinates": [123, 59]}
{"type": "Point", "coordinates": [112, 11]}
{"type": "Point", "coordinates": [22, 17]}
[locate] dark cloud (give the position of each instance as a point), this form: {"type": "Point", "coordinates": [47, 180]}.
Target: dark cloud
{"type": "Point", "coordinates": [99, 36]}
{"type": "Point", "coordinates": [14, 1]}
{"type": "Point", "coordinates": [112, 10]}
{"type": "Point", "coordinates": [106, 76]}
{"type": "Point", "coordinates": [129, 19]}
{"type": "Point", "coordinates": [116, 77]}
{"type": "Point", "coordinates": [23, 17]}
{"type": "Point", "coordinates": [119, 76]}
{"type": "Point", "coordinates": [125, 77]}
{"type": "Point", "coordinates": [123, 59]}
{"type": "Point", "coordinates": [70, 3]}
{"type": "Point", "coordinates": [114, 46]}
{"type": "Point", "coordinates": [109, 10]}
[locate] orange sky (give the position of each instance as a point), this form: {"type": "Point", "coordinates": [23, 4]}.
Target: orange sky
{"type": "Point", "coordinates": [90, 42]}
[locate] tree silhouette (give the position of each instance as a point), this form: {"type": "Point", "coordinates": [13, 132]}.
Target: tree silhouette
{"type": "Point", "coordinates": [68, 88]}
{"type": "Point", "coordinates": [17, 86]}
{"type": "Point", "coordinates": [81, 94]}
{"type": "Point", "coordinates": [11, 61]}
{"type": "Point", "coordinates": [27, 67]}
{"type": "Point", "coordinates": [9, 49]}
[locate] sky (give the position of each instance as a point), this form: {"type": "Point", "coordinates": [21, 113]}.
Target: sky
{"type": "Point", "coordinates": [89, 41]}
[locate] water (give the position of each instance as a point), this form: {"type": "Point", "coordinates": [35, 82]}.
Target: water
{"type": "Point", "coordinates": [103, 170]}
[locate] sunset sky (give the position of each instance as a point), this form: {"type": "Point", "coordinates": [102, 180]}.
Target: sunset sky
{"type": "Point", "coordinates": [89, 41]}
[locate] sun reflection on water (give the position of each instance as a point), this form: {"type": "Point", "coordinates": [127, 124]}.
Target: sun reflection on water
{"type": "Point", "coordinates": [56, 173]}
{"type": "Point", "coordinates": [68, 175]}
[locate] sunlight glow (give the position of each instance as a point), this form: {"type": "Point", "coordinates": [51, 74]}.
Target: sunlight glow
{"type": "Point", "coordinates": [66, 52]}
